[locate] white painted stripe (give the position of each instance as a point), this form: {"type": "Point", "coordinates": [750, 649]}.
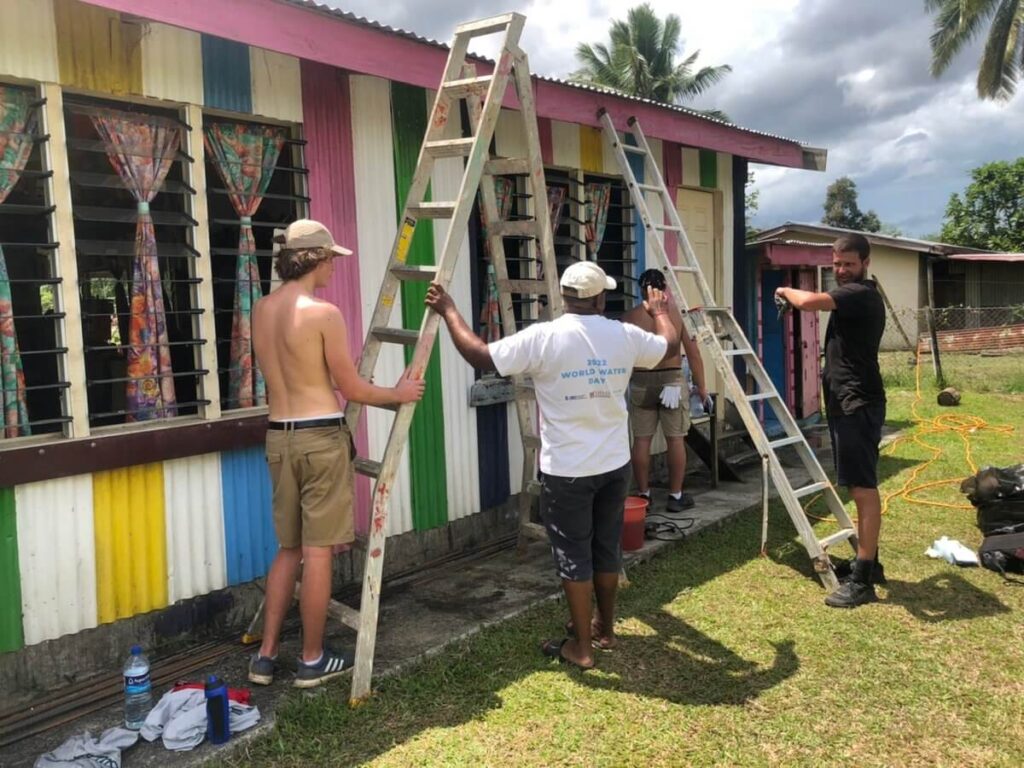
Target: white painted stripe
{"type": "Point", "coordinates": [194, 521]}
{"type": "Point", "coordinates": [172, 65]}
{"type": "Point", "coordinates": [56, 557]}
{"type": "Point", "coordinates": [565, 144]}
{"type": "Point", "coordinates": [276, 85]}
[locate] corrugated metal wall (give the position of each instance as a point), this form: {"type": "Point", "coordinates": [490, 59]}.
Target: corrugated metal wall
{"type": "Point", "coordinates": [195, 527]}
{"type": "Point", "coordinates": [227, 83]}
{"type": "Point", "coordinates": [591, 149]}
{"type": "Point", "coordinates": [10, 580]}
{"type": "Point", "coordinates": [426, 435]}
{"type": "Point", "coordinates": [58, 544]}
{"type": "Point", "coordinates": [172, 64]}
{"type": "Point", "coordinates": [690, 167]}
{"type": "Point", "coordinates": [131, 545]}
{"type": "Point", "coordinates": [249, 538]}
{"type": "Point", "coordinates": [636, 164]}
{"type": "Point", "coordinates": [330, 159]}
{"type": "Point", "coordinates": [276, 85]}
{"type": "Point", "coordinates": [565, 144]}
{"type": "Point", "coordinates": [96, 50]}
{"type": "Point", "coordinates": [508, 134]}
{"type": "Point", "coordinates": [461, 465]}
{"type": "Point", "coordinates": [28, 40]}
{"type": "Point", "coordinates": [375, 194]}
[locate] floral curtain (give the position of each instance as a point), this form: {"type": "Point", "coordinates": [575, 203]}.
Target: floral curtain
{"type": "Point", "coordinates": [597, 196]}
{"type": "Point", "coordinates": [141, 149]}
{"type": "Point", "coordinates": [490, 313]}
{"type": "Point", "coordinates": [245, 156]}
{"type": "Point", "coordinates": [17, 124]}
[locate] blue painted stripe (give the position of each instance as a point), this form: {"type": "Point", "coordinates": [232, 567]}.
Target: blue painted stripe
{"type": "Point", "coordinates": [636, 163]}
{"type": "Point", "coordinates": [227, 83]}
{"type": "Point", "coordinates": [249, 538]}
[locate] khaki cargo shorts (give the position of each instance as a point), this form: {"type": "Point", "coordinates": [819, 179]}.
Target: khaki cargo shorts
{"type": "Point", "coordinates": [646, 410]}
{"type": "Point", "coordinates": [313, 482]}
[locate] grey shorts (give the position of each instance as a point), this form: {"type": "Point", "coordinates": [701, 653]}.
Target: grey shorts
{"type": "Point", "coordinates": [583, 518]}
{"type": "Point", "coordinates": [646, 410]}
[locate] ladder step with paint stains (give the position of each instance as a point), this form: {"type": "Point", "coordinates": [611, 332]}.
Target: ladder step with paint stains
{"type": "Point", "coordinates": [721, 337]}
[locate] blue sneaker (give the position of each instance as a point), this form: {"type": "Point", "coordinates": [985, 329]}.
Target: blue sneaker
{"type": "Point", "coordinates": [261, 670]}
{"type": "Point", "coordinates": [331, 665]}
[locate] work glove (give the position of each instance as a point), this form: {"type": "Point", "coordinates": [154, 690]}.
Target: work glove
{"type": "Point", "coordinates": [709, 405]}
{"type": "Point", "coordinates": [671, 395]}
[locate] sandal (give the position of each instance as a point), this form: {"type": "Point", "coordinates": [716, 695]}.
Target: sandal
{"type": "Point", "coordinates": [598, 640]}
{"type": "Point", "coordinates": [553, 650]}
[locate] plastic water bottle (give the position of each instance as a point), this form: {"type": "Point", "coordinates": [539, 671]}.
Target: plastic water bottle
{"type": "Point", "coordinates": [137, 694]}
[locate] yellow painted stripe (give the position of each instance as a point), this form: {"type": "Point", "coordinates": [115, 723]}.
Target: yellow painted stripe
{"type": "Point", "coordinates": [591, 151]}
{"type": "Point", "coordinates": [96, 50]}
{"type": "Point", "coordinates": [131, 541]}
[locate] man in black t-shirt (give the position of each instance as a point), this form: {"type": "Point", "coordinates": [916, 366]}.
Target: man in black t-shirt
{"type": "Point", "coordinates": [854, 400]}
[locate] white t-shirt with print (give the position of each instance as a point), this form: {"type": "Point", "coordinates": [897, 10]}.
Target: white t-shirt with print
{"type": "Point", "coordinates": [580, 365]}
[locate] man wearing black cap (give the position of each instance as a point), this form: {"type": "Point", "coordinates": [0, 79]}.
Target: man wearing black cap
{"type": "Point", "coordinates": [580, 365]}
{"type": "Point", "coordinates": [301, 346]}
{"type": "Point", "coordinates": [660, 395]}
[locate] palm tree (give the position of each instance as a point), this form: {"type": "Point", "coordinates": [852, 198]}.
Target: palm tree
{"type": "Point", "coordinates": [640, 61]}
{"type": "Point", "coordinates": [958, 22]}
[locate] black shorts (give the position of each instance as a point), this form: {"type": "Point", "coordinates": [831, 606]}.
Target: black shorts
{"type": "Point", "coordinates": [855, 439]}
{"type": "Point", "coordinates": [583, 518]}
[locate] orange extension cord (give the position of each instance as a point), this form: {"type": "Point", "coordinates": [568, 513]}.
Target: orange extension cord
{"type": "Point", "coordinates": [963, 426]}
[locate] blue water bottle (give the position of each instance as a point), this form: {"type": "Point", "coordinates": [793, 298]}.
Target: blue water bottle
{"type": "Point", "coordinates": [218, 713]}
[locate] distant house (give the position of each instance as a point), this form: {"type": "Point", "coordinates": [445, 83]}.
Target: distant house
{"type": "Point", "coordinates": [800, 255]}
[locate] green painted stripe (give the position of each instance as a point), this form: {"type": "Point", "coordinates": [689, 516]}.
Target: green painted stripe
{"type": "Point", "coordinates": [11, 636]}
{"type": "Point", "coordinates": [426, 436]}
{"type": "Point", "coordinates": [708, 168]}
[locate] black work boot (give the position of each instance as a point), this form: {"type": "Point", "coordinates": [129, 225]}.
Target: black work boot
{"type": "Point", "coordinates": [858, 590]}
{"type": "Point", "coordinates": [844, 570]}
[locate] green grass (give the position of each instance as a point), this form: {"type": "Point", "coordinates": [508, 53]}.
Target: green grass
{"type": "Point", "coordinates": [968, 373]}
{"type": "Point", "coordinates": [727, 658]}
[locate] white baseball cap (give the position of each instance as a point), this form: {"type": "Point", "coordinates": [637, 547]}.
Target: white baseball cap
{"type": "Point", "coordinates": [306, 233]}
{"type": "Point", "coordinates": [585, 279]}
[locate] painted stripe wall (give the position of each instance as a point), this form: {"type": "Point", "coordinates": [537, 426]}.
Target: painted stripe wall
{"type": "Point", "coordinates": [276, 82]}
{"type": "Point", "coordinates": [11, 636]}
{"type": "Point", "coordinates": [227, 82]}
{"type": "Point", "coordinates": [427, 434]}
{"type": "Point", "coordinates": [250, 544]}
{"type": "Point", "coordinates": [96, 49]}
{"type": "Point", "coordinates": [57, 557]}
{"type": "Point", "coordinates": [31, 56]}
{"type": "Point", "coordinates": [462, 468]}
{"type": "Point", "coordinates": [565, 144]}
{"type": "Point", "coordinates": [330, 157]}
{"type": "Point", "coordinates": [172, 64]}
{"type": "Point", "coordinates": [194, 519]}
{"type": "Point", "coordinates": [374, 177]}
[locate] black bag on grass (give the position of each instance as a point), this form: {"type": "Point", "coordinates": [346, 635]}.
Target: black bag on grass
{"type": "Point", "coordinates": [1003, 551]}
{"type": "Point", "coordinates": [998, 495]}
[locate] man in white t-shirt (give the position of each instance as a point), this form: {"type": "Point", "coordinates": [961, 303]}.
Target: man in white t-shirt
{"type": "Point", "coordinates": [580, 364]}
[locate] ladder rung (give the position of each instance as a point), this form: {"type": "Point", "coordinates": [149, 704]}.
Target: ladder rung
{"type": "Point", "coordinates": [396, 335]}
{"type": "Point", "coordinates": [835, 538]}
{"type": "Point", "coordinates": [432, 210]}
{"type": "Point", "coordinates": [484, 26]}
{"type": "Point", "coordinates": [345, 614]}
{"type": "Point", "coordinates": [776, 444]}
{"type": "Point", "coordinates": [685, 269]}
{"type": "Point", "coordinates": [649, 188]}
{"type": "Point", "coordinates": [411, 273]}
{"type": "Point", "coordinates": [523, 286]}
{"type": "Point", "coordinates": [367, 467]}
{"type": "Point", "coordinates": [450, 147]}
{"type": "Point", "coordinates": [634, 150]}
{"type": "Point", "coordinates": [667, 227]}
{"type": "Point", "coordinates": [761, 396]}
{"type": "Point", "coordinates": [507, 166]}
{"type": "Point", "coordinates": [737, 352]}
{"type": "Point", "coordinates": [524, 228]}
{"type": "Point", "coordinates": [809, 490]}
{"type": "Point", "coordinates": [468, 86]}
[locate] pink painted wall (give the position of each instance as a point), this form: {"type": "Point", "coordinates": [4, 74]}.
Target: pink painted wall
{"type": "Point", "coordinates": [672, 162]}
{"type": "Point", "coordinates": [326, 110]}
{"type": "Point", "coordinates": [317, 36]}
{"type": "Point", "coordinates": [547, 147]}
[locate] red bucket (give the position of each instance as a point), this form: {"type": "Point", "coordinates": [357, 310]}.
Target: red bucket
{"type": "Point", "coordinates": [633, 523]}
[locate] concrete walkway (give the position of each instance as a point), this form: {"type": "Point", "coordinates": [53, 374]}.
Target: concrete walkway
{"type": "Point", "coordinates": [418, 618]}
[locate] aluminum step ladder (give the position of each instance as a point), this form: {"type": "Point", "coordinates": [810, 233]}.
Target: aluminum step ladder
{"type": "Point", "coordinates": [483, 96]}
{"type": "Point", "coordinates": [721, 336]}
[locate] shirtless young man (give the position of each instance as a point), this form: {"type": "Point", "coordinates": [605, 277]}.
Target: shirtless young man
{"type": "Point", "coordinates": [301, 346]}
{"type": "Point", "coordinates": [660, 395]}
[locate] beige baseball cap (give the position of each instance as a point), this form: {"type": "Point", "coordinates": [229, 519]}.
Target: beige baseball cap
{"type": "Point", "coordinates": [306, 233]}
{"type": "Point", "coordinates": [585, 279]}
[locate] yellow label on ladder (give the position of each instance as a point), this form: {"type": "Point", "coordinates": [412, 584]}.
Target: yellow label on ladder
{"type": "Point", "coordinates": [405, 239]}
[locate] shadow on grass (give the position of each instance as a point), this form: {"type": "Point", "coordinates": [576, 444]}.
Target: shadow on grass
{"type": "Point", "coordinates": [944, 597]}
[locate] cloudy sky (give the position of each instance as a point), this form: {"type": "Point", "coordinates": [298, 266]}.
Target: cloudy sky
{"type": "Point", "coordinates": [848, 75]}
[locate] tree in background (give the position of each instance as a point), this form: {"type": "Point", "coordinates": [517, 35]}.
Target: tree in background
{"type": "Point", "coordinates": [841, 209]}
{"type": "Point", "coordinates": [750, 206]}
{"type": "Point", "coordinates": [958, 22]}
{"type": "Point", "coordinates": [640, 60]}
{"type": "Point", "coordinates": [990, 214]}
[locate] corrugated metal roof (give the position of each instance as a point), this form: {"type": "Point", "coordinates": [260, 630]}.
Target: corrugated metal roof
{"type": "Point", "coordinates": [1004, 257]}
{"type": "Point", "coordinates": [777, 234]}
{"type": "Point", "coordinates": [365, 22]}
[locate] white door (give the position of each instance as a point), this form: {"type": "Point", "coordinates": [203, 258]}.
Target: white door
{"type": "Point", "coordinates": [697, 212]}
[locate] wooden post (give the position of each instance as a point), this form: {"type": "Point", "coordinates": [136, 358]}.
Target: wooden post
{"type": "Point", "coordinates": [892, 311]}
{"type": "Point", "coordinates": [936, 359]}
